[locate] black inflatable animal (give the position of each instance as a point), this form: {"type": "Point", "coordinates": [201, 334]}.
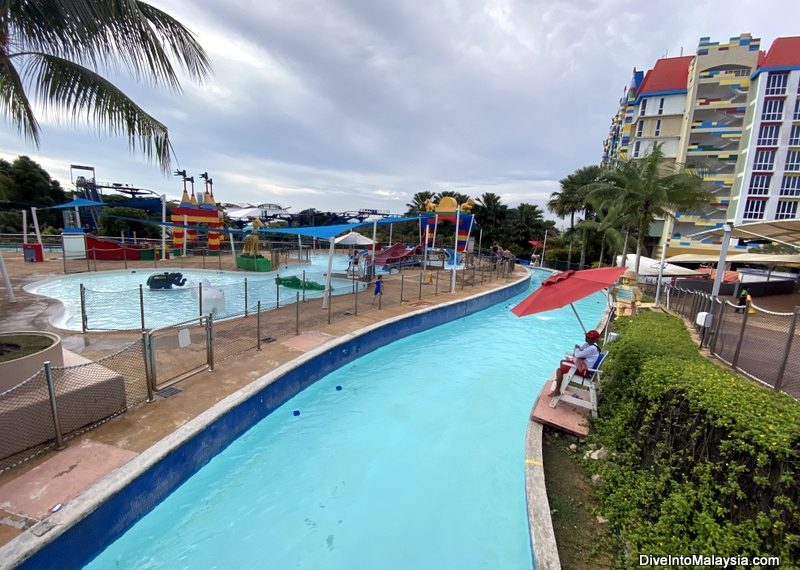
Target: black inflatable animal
{"type": "Point", "coordinates": [165, 280]}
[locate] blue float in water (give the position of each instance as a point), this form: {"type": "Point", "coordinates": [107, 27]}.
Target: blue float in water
{"type": "Point", "coordinates": [338, 387]}
{"type": "Point", "coordinates": [296, 412]}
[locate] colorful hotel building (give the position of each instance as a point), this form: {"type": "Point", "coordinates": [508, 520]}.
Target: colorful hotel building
{"type": "Point", "coordinates": [741, 138]}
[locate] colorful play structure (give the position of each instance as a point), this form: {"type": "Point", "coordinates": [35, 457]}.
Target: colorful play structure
{"type": "Point", "coordinates": [448, 210]}
{"type": "Point", "coordinates": [192, 212]}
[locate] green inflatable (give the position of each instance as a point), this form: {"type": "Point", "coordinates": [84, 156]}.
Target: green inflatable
{"type": "Point", "coordinates": [295, 282]}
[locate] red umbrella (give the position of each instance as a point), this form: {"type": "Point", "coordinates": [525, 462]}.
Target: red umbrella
{"type": "Point", "coordinates": [565, 288]}
{"type": "Point", "coordinates": [535, 243]}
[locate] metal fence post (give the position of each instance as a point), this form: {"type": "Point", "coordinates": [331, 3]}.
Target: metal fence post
{"type": "Point", "coordinates": [210, 341]}
{"type": "Point", "coordinates": [278, 293]}
{"type": "Point", "coordinates": [297, 314]}
{"type": "Point", "coordinates": [200, 296]}
{"type": "Point", "coordinates": [436, 287]}
{"type": "Point", "coordinates": [782, 369]}
{"type": "Point", "coordinates": [141, 304]}
{"type": "Point", "coordinates": [258, 325]}
{"type": "Point", "coordinates": [304, 285]}
{"type": "Point", "coordinates": [88, 266]}
{"type": "Point", "coordinates": [94, 258]}
{"type": "Point", "coordinates": [219, 260]}
{"type": "Point", "coordinates": [420, 285]}
{"type": "Point", "coordinates": [48, 373]}
{"type": "Point", "coordinates": [402, 284]}
{"type": "Point", "coordinates": [84, 317]}
{"type": "Point", "coordinates": [330, 304]}
{"type": "Point", "coordinates": [245, 296]}
{"type": "Point", "coordinates": [741, 335]}
{"type": "Point", "coordinates": [125, 255]}
{"type": "Point", "coordinates": [148, 380]}
{"type": "Point", "coordinates": [717, 327]}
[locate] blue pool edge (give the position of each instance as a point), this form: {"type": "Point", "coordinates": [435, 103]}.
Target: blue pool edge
{"type": "Point", "coordinates": [77, 533]}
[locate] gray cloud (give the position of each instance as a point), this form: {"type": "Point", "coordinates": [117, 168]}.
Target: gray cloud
{"type": "Point", "coordinates": [351, 104]}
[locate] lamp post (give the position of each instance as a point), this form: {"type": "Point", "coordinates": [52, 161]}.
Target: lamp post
{"type": "Point", "coordinates": [723, 253]}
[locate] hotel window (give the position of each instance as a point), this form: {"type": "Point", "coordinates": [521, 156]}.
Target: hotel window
{"type": "Point", "coordinates": [797, 110]}
{"type": "Point", "coordinates": [768, 135]}
{"type": "Point", "coordinates": [794, 136]}
{"type": "Point", "coordinates": [643, 108]}
{"type": "Point", "coordinates": [657, 132]}
{"type": "Point", "coordinates": [773, 110]}
{"type": "Point", "coordinates": [776, 84]}
{"type": "Point", "coordinates": [754, 209]}
{"type": "Point", "coordinates": [787, 209]}
{"type": "Point", "coordinates": [636, 148]}
{"type": "Point", "coordinates": [661, 106]}
{"type": "Point", "coordinates": [759, 184]}
{"type": "Point", "coordinates": [764, 160]}
{"type": "Point", "coordinates": [790, 186]}
{"type": "Point", "coordinates": [639, 128]}
{"type": "Point", "coordinates": [793, 160]}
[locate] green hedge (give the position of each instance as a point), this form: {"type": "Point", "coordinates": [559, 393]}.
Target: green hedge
{"type": "Point", "coordinates": [704, 462]}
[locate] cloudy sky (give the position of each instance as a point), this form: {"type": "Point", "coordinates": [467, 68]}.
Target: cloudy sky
{"type": "Point", "coordinates": [349, 104]}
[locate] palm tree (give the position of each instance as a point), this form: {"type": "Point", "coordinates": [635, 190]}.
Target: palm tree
{"type": "Point", "coordinates": [573, 199]}
{"type": "Point", "coordinates": [524, 223]}
{"type": "Point", "coordinates": [52, 52]}
{"type": "Point", "coordinates": [650, 188]}
{"type": "Point", "coordinates": [417, 204]}
{"type": "Point", "coordinates": [490, 215]}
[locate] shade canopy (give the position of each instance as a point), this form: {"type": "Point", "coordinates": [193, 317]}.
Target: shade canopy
{"type": "Point", "coordinates": [535, 243]}
{"type": "Point", "coordinates": [77, 203]}
{"type": "Point", "coordinates": [694, 258]}
{"type": "Point", "coordinates": [766, 259]}
{"type": "Point", "coordinates": [329, 232]}
{"type": "Point", "coordinates": [648, 267]}
{"type": "Point", "coordinates": [567, 287]}
{"type": "Point", "coordinates": [353, 238]}
{"type": "Point", "coordinates": [785, 231]}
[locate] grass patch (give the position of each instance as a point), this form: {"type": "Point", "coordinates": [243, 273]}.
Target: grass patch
{"type": "Point", "coordinates": [13, 346]}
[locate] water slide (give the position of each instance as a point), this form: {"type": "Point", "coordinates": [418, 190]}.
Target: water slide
{"type": "Point", "coordinates": [452, 255]}
{"type": "Point", "coordinates": [396, 253]}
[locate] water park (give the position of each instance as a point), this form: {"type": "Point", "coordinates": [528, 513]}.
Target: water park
{"type": "Point", "coordinates": [178, 388]}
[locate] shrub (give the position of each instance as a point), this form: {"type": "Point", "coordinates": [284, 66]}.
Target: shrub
{"type": "Point", "coordinates": [705, 462]}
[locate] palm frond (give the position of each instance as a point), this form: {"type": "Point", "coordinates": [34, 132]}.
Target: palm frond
{"type": "Point", "coordinates": [62, 85]}
{"type": "Point", "coordinates": [112, 34]}
{"type": "Point", "coordinates": [14, 102]}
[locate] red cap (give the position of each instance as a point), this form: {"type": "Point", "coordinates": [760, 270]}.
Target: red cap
{"type": "Point", "coordinates": [593, 335]}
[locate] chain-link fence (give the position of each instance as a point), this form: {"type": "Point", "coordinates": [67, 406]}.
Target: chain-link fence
{"type": "Point", "coordinates": [34, 418]}
{"type": "Point", "coordinates": [759, 343]}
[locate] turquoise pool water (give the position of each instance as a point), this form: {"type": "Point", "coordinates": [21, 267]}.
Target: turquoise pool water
{"type": "Point", "coordinates": [112, 297]}
{"type": "Point", "coordinates": [417, 462]}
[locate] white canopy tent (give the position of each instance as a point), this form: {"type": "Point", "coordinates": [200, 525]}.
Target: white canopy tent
{"type": "Point", "coordinates": [353, 238]}
{"type": "Point", "coordinates": [648, 267]}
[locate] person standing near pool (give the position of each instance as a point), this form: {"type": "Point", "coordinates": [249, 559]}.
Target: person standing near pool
{"type": "Point", "coordinates": [378, 288]}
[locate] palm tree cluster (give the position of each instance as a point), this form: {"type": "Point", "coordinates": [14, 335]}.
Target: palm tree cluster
{"type": "Point", "coordinates": [52, 53]}
{"type": "Point", "coordinates": [511, 228]}
{"type": "Point", "coordinates": [622, 202]}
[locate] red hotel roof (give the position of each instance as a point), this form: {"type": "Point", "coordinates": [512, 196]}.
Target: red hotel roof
{"type": "Point", "coordinates": [784, 52]}
{"type": "Point", "coordinates": [668, 74]}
